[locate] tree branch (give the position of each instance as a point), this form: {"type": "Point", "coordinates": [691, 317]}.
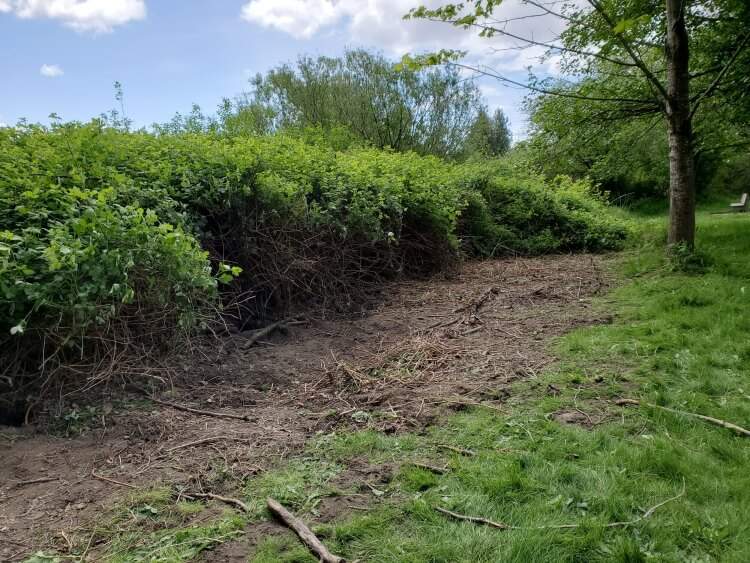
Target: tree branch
{"type": "Point", "coordinates": [529, 41]}
{"type": "Point", "coordinates": [629, 49]}
{"type": "Point", "coordinates": [532, 88]}
{"type": "Point", "coordinates": [719, 77]}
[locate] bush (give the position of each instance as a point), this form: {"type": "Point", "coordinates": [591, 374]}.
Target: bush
{"type": "Point", "coordinates": [514, 211]}
{"type": "Point", "coordinates": [104, 233]}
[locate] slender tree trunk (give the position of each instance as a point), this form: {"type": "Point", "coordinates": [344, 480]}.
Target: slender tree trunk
{"type": "Point", "coordinates": [679, 123]}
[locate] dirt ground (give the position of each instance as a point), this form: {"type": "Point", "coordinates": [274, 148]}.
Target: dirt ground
{"type": "Point", "coordinates": [429, 346]}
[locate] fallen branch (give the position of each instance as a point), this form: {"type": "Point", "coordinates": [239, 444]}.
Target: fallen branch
{"type": "Point", "coordinates": [477, 304]}
{"type": "Point", "coordinates": [432, 468]}
{"type": "Point", "coordinates": [202, 412]}
{"type": "Point", "coordinates": [474, 519]}
{"type": "Point", "coordinates": [206, 441]}
{"type": "Point", "coordinates": [95, 475]}
{"type": "Point", "coordinates": [304, 533]}
{"type": "Point", "coordinates": [501, 526]}
{"type": "Point", "coordinates": [35, 481]}
{"type": "Point", "coordinates": [228, 500]}
{"type": "Point", "coordinates": [461, 451]}
{"type": "Point", "coordinates": [709, 419]}
{"type": "Point", "coordinates": [471, 404]}
{"type": "Point", "coordinates": [265, 331]}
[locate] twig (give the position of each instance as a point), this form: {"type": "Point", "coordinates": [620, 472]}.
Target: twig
{"type": "Point", "coordinates": [304, 533]}
{"type": "Point", "coordinates": [228, 500]}
{"type": "Point", "coordinates": [709, 419]}
{"type": "Point", "coordinates": [474, 519]}
{"type": "Point", "coordinates": [35, 481]}
{"type": "Point", "coordinates": [95, 475]}
{"type": "Point", "coordinates": [202, 412]}
{"type": "Point", "coordinates": [471, 404]}
{"type": "Point", "coordinates": [206, 441]}
{"type": "Point", "coordinates": [432, 468]}
{"type": "Point", "coordinates": [461, 451]}
{"type": "Point", "coordinates": [265, 331]}
{"type": "Point", "coordinates": [67, 540]}
{"type": "Point", "coordinates": [477, 304]}
{"type": "Point", "coordinates": [375, 491]}
{"type": "Point", "coordinates": [501, 526]}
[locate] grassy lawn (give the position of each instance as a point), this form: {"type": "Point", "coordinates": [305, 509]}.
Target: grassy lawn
{"type": "Point", "coordinates": [679, 338]}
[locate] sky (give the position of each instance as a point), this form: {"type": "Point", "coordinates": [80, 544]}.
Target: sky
{"type": "Point", "coordinates": [63, 56]}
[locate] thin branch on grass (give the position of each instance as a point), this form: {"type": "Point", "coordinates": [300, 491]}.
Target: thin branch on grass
{"type": "Point", "coordinates": [431, 468]}
{"type": "Point", "coordinates": [227, 500]}
{"type": "Point", "coordinates": [474, 519]}
{"type": "Point", "coordinates": [178, 407]}
{"type": "Point", "coordinates": [711, 420]}
{"type": "Point", "coordinates": [462, 451]}
{"type": "Point", "coordinates": [502, 526]}
{"type": "Point", "coordinates": [304, 533]}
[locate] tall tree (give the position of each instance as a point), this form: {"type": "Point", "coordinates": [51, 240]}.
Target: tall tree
{"type": "Point", "coordinates": [645, 47]}
{"type": "Point", "coordinates": [489, 135]}
{"type": "Point", "coordinates": [427, 111]}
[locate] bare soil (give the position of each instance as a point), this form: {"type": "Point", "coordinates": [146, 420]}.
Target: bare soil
{"type": "Point", "coordinates": [428, 347]}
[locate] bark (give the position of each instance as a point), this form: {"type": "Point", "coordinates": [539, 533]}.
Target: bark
{"type": "Point", "coordinates": [679, 123]}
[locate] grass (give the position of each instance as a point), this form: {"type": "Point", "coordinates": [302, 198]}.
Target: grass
{"type": "Point", "coordinates": [679, 339]}
{"type": "Point", "coordinates": [149, 525]}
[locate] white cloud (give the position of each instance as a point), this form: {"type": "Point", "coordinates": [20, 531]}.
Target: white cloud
{"type": "Point", "coordinates": [299, 18]}
{"type": "Point", "coordinates": [51, 71]}
{"type": "Point", "coordinates": [379, 23]}
{"type": "Point", "coordinates": [99, 16]}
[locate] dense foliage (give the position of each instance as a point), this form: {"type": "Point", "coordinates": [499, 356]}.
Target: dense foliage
{"type": "Point", "coordinates": [111, 236]}
{"type": "Point", "coordinates": [426, 111]}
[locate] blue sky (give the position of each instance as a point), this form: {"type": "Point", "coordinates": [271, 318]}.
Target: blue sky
{"type": "Point", "coordinates": [63, 56]}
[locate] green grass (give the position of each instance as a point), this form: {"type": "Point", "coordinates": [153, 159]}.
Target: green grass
{"type": "Point", "coordinates": [679, 339]}
{"type": "Point", "coordinates": [151, 525]}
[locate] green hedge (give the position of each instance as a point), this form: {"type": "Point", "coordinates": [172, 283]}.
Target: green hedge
{"type": "Point", "coordinates": [94, 220]}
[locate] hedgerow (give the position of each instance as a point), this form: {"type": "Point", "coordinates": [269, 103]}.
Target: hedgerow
{"type": "Point", "coordinates": [120, 237]}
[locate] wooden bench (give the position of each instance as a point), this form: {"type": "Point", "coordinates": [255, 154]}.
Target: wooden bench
{"type": "Point", "coordinates": [740, 206]}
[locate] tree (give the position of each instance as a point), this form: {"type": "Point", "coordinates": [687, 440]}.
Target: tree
{"type": "Point", "coordinates": [427, 111]}
{"type": "Point", "coordinates": [644, 47]}
{"type": "Point", "coordinates": [489, 136]}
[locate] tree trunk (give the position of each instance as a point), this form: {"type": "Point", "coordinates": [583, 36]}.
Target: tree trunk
{"type": "Point", "coordinates": [679, 123]}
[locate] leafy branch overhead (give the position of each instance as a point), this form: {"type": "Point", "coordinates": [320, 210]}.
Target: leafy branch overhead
{"type": "Point", "coordinates": [626, 59]}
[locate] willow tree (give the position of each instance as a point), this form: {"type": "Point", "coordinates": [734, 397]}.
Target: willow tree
{"type": "Point", "coordinates": [626, 59]}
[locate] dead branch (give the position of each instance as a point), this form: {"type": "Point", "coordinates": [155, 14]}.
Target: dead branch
{"type": "Point", "coordinates": [228, 500]}
{"type": "Point", "coordinates": [462, 451]}
{"type": "Point", "coordinates": [265, 331]}
{"type": "Point", "coordinates": [244, 417]}
{"type": "Point", "coordinates": [501, 526]}
{"type": "Point", "coordinates": [477, 304]}
{"type": "Point", "coordinates": [709, 419]}
{"type": "Point", "coordinates": [35, 481]}
{"type": "Point", "coordinates": [207, 441]}
{"type": "Point", "coordinates": [304, 533]}
{"type": "Point", "coordinates": [432, 468]}
{"type": "Point", "coordinates": [95, 475]}
{"type": "Point", "coordinates": [474, 519]}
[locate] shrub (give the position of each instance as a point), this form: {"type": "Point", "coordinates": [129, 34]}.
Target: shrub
{"type": "Point", "coordinates": [109, 236]}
